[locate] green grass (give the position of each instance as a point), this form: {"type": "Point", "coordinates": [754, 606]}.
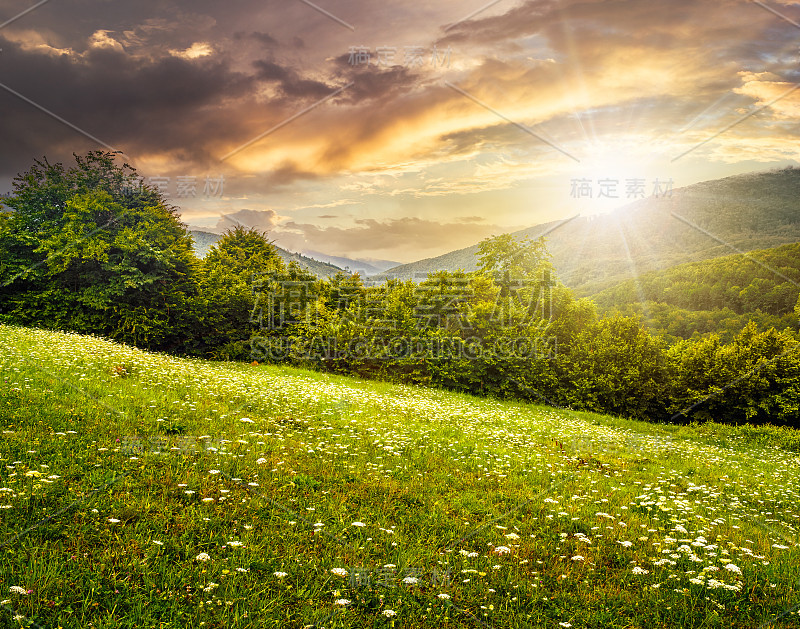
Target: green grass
{"type": "Point", "coordinates": [120, 468]}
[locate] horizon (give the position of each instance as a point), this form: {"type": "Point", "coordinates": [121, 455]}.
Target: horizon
{"type": "Point", "coordinates": [324, 256]}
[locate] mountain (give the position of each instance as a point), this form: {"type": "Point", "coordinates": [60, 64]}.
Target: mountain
{"type": "Point", "coordinates": [702, 221]}
{"type": "Point", "coordinates": [203, 242]}
{"type": "Point", "coordinates": [719, 295]}
{"type": "Point", "coordinates": [364, 266]}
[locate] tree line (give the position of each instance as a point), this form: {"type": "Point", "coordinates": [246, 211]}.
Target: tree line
{"type": "Point", "coordinates": [717, 295]}
{"type": "Point", "coordinates": [85, 249]}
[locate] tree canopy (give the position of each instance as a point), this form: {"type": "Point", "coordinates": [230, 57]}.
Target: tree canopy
{"type": "Point", "coordinates": [87, 249]}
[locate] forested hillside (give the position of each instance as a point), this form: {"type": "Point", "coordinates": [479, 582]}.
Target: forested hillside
{"type": "Point", "coordinates": [719, 295]}
{"type": "Point", "coordinates": [698, 222]}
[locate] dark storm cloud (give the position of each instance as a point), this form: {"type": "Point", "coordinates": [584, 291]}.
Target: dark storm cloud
{"type": "Point", "coordinates": [290, 83]}
{"type": "Point", "coordinates": [137, 90]}
{"type": "Point", "coordinates": [133, 105]}
{"type": "Point", "coordinates": [265, 39]}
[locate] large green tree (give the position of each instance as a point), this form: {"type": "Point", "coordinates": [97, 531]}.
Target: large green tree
{"type": "Point", "coordinates": [89, 249]}
{"type": "Point", "coordinates": [614, 365]}
{"type": "Point", "coordinates": [254, 304]}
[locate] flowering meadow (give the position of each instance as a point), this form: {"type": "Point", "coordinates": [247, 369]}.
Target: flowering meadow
{"type": "Point", "coordinates": [142, 490]}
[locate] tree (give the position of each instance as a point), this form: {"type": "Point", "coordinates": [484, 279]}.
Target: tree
{"type": "Point", "coordinates": [615, 366]}
{"type": "Point", "coordinates": [240, 276]}
{"type": "Point", "coordinates": [755, 379]}
{"type": "Point", "coordinates": [245, 253]}
{"type": "Point", "coordinates": [523, 259]}
{"type": "Point", "coordinates": [86, 249]}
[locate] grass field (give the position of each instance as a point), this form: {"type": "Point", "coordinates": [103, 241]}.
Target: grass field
{"type": "Point", "coordinates": [141, 490]}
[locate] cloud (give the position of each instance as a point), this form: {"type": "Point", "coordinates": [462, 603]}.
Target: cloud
{"type": "Point", "coordinates": [168, 106]}
{"type": "Point", "coordinates": [265, 39]}
{"type": "Point", "coordinates": [766, 88]}
{"type": "Point", "coordinates": [196, 50]}
{"type": "Point", "coordinates": [102, 39]}
{"type": "Point", "coordinates": [393, 235]}
{"type": "Point", "coordinates": [263, 220]}
{"type": "Point", "coordinates": [289, 82]}
{"type": "Point", "coordinates": [37, 42]}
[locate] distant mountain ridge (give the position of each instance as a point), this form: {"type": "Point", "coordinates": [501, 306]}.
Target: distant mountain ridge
{"type": "Point", "coordinates": [702, 221]}
{"type": "Point", "coordinates": [354, 265]}
{"type": "Point", "coordinates": [203, 241]}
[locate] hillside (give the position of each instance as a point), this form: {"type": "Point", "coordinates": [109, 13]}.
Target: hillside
{"type": "Point", "coordinates": [751, 211]}
{"type": "Point", "coordinates": [720, 294]}
{"type": "Point", "coordinates": [143, 490]}
{"type": "Point", "coordinates": [203, 241]}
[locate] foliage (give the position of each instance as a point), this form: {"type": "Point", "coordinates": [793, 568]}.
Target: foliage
{"type": "Point", "coordinates": [615, 365]}
{"type": "Point", "coordinates": [720, 295]}
{"type": "Point", "coordinates": [249, 293]}
{"type": "Point", "coordinates": [203, 241]}
{"type": "Point", "coordinates": [754, 379]}
{"type": "Point", "coordinates": [85, 249]}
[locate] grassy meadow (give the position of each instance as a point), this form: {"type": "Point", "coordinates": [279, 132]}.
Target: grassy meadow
{"type": "Point", "coordinates": [142, 490]}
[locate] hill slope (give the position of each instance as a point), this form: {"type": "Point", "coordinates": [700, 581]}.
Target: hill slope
{"type": "Point", "coordinates": [717, 295]}
{"type": "Point", "coordinates": [745, 212]}
{"type": "Point", "coordinates": [203, 241]}
{"type": "Point", "coordinates": [144, 490]}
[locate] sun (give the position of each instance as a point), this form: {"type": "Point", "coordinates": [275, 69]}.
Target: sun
{"type": "Point", "coordinates": [614, 173]}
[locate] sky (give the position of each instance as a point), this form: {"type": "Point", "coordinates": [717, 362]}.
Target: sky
{"type": "Point", "coordinates": [402, 131]}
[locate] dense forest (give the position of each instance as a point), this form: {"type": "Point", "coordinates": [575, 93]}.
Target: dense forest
{"type": "Point", "coordinates": [83, 249]}
{"type": "Point", "coordinates": [720, 295]}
